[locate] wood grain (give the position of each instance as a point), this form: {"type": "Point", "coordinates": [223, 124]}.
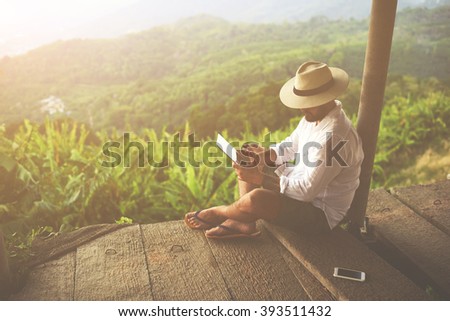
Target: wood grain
{"type": "Point", "coordinates": [321, 253]}
{"type": "Point", "coordinates": [255, 270]}
{"type": "Point", "coordinates": [424, 244]}
{"type": "Point", "coordinates": [181, 264]}
{"type": "Point", "coordinates": [51, 281]}
{"type": "Point", "coordinates": [315, 290]}
{"type": "Point", "coordinates": [430, 201]}
{"type": "Point", "coordinates": [113, 267]}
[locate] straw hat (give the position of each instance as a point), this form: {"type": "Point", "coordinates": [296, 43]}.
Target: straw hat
{"type": "Point", "coordinates": [314, 84]}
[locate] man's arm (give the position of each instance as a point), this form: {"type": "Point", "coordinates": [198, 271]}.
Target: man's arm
{"type": "Point", "coordinates": [271, 182]}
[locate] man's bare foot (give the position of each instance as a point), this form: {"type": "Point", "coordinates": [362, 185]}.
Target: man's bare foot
{"type": "Point", "coordinates": [203, 220]}
{"type": "Point", "coordinates": [231, 228]}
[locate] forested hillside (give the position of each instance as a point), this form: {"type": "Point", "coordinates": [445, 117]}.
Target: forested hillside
{"type": "Point", "coordinates": [204, 66]}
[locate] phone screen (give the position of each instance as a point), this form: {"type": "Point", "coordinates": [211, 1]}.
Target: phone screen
{"type": "Point", "coordinates": [350, 273]}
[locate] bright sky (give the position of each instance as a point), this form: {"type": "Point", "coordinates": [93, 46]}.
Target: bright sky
{"type": "Point", "coordinates": [21, 15]}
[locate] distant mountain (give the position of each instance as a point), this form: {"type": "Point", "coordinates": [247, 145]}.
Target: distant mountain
{"type": "Point", "coordinates": [209, 71]}
{"type": "Point", "coordinates": [149, 13]}
{"type": "Point", "coordinates": [145, 14]}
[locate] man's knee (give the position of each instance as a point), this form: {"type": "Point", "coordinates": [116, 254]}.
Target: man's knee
{"type": "Point", "coordinates": [253, 200]}
{"type": "Point", "coordinates": [260, 204]}
{"type": "Point", "coordinates": [257, 195]}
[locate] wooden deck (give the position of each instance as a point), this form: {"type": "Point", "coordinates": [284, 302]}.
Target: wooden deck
{"type": "Point", "coordinates": [414, 222]}
{"type": "Point", "coordinates": [168, 261]}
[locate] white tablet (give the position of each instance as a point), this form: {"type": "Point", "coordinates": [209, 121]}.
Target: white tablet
{"type": "Point", "coordinates": [227, 148]}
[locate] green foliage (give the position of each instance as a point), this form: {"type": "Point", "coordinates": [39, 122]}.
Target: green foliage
{"type": "Point", "coordinates": [124, 220]}
{"type": "Point", "coordinates": [52, 181]}
{"type": "Point", "coordinates": [408, 127]}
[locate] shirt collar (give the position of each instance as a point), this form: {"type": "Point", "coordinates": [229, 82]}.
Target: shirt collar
{"type": "Point", "coordinates": [332, 114]}
{"type": "Point", "coordinates": [335, 111]}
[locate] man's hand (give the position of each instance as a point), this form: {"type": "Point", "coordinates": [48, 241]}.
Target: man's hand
{"type": "Point", "coordinates": [250, 174]}
{"type": "Point", "coordinates": [256, 158]}
{"type": "Point", "coordinates": [259, 155]}
{"type": "Point", "coordinates": [252, 171]}
{"type": "Point", "coordinates": [254, 154]}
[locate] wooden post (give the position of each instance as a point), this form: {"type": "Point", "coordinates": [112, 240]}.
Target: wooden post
{"type": "Point", "coordinates": [376, 65]}
{"type": "Point", "coordinates": [5, 275]}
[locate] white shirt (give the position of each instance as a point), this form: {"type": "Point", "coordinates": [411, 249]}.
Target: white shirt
{"type": "Point", "coordinates": [329, 185]}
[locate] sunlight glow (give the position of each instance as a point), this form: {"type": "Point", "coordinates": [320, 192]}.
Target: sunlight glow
{"type": "Point", "coordinates": [23, 15]}
{"type": "Point", "coordinates": [26, 24]}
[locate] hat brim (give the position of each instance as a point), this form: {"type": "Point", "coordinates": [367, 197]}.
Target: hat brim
{"type": "Point", "coordinates": [291, 100]}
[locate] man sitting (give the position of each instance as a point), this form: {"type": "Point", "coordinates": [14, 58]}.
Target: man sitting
{"type": "Point", "coordinates": [311, 195]}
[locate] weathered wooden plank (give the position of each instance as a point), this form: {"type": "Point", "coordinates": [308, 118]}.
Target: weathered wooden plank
{"type": "Point", "coordinates": [181, 264]}
{"type": "Point", "coordinates": [431, 201]}
{"type": "Point", "coordinates": [313, 288]}
{"type": "Point", "coordinates": [320, 254]}
{"type": "Point", "coordinates": [51, 281]}
{"type": "Point", "coordinates": [50, 248]}
{"type": "Point", "coordinates": [113, 267]}
{"type": "Point", "coordinates": [424, 244]}
{"type": "Point", "coordinates": [255, 270]}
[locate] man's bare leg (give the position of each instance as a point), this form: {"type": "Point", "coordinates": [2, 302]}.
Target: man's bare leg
{"type": "Point", "coordinates": [243, 214]}
{"type": "Point", "coordinates": [244, 188]}
{"type": "Point", "coordinates": [244, 227]}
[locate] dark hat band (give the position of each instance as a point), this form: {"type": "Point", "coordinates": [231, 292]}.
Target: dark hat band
{"type": "Point", "coordinates": [314, 91]}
